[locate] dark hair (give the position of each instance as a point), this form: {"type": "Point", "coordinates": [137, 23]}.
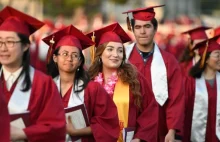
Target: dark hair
{"type": "Point", "coordinates": [25, 63]}
{"type": "Point", "coordinates": [196, 71]}
{"type": "Point", "coordinates": [187, 54]}
{"type": "Point", "coordinates": [80, 74]}
{"type": "Point", "coordinates": [153, 21]}
{"type": "Point", "coordinates": [126, 72]}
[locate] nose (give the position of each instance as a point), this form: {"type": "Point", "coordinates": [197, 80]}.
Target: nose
{"type": "Point", "coordinates": [142, 30]}
{"type": "Point", "coordinates": [3, 47]}
{"type": "Point", "coordinates": [115, 53]}
{"type": "Point", "coordinates": [69, 58]}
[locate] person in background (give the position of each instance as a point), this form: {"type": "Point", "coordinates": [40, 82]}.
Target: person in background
{"type": "Point", "coordinates": [202, 120]}
{"type": "Point", "coordinates": [133, 97]}
{"type": "Point", "coordinates": [66, 66]}
{"type": "Point", "coordinates": [161, 70]}
{"type": "Point", "coordinates": [25, 88]}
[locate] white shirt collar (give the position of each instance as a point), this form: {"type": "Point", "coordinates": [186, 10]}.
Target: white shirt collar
{"type": "Point", "coordinates": [15, 74]}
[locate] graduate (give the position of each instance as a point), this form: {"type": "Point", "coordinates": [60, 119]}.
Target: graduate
{"type": "Point", "coordinates": [161, 70]}
{"type": "Point", "coordinates": [190, 56]}
{"type": "Point", "coordinates": [25, 88]}
{"type": "Point", "coordinates": [66, 66]}
{"type": "Point", "coordinates": [133, 97]}
{"type": "Point", "coordinates": [202, 122]}
{"type": "Point", "coordinates": [4, 118]}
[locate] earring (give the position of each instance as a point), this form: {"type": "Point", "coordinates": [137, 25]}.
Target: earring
{"type": "Point", "coordinates": [78, 69]}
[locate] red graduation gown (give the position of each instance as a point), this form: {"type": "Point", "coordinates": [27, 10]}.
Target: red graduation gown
{"type": "Point", "coordinates": [4, 119]}
{"type": "Point", "coordinates": [185, 67]}
{"type": "Point", "coordinates": [102, 114]}
{"type": "Point", "coordinates": [171, 113]}
{"type": "Point", "coordinates": [212, 103]}
{"type": "Point", "coordinates": [46, 111]}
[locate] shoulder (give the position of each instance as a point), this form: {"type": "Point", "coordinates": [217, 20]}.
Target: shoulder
{"type": "Point", "coordinates": [93, 86]}
{"type": "Point", "coordinates": [41, 77]}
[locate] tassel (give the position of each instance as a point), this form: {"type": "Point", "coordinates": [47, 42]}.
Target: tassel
{"type": "Point", "coordinates": [128, 24]}
{"type": "Point", "coordinates": [50, 51]}
{"type": "Point", "coordinates": [92, 49]}
{"type": "Point", "coordinates": [191, 53]}
{"type": "Point", "coordinates": [204, 55]}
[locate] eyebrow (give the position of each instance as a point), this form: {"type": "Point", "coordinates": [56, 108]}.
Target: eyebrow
{"type": "Point", "coordinates": [7, 37]}
{"type": "Point", "coordinates": [68, 52]}
{"type": "Point", "coordinates": [113, 46]}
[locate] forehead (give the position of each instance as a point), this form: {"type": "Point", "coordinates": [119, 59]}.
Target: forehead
{"type": "Point", "coordinates": [140, 22]}
{"type": "Point", "coordinates": [69, 48]}
{"type": "Point", "coordinates": [215, 51]}
{"type": "Point", "coordinates": [8, 34]}
{"type": "Point", "coordinates": [115, 44]}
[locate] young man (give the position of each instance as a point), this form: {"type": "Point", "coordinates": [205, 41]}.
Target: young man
{"type": "Point", "coordinates": [161, 71]}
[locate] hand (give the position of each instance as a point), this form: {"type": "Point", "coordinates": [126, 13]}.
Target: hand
{"type": "Point", "coordinates": [135, 140]}
{"type": "Point", "coordinates": [70, 128]}
{"type": "Point", "coordinates": [170, 137]}
{"type": "Point", "coordinates": [17, 134]}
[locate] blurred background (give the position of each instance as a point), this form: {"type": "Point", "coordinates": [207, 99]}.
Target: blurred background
{"type": "Point", "coordinates": [87, 15]}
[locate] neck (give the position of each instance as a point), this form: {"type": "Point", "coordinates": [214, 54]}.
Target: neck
{"type": "Point", "coordinates": [107, 73]}
{"type": "Point", "coordinates": [12, 69]}
{"type": "Point", "coordinates": [66, 78]}
{"type": "Point", "coordinates": [196, 58]}
{"type": "Point", "coordinates": [209, 73]}
{"type": "Point", "coordinates": [145, 48]}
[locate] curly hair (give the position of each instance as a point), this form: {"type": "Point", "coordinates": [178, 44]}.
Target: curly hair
{"type": "Point", "coordinates": [187, 54]}
{"type": "Point", "coordinates": [126, 72]}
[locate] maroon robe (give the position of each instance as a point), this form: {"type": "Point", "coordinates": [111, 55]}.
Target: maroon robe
{"type": "Point", "coordinates": [171, 113]}
{"type": "Point", "coordinates": [4, 119]}
{"type": "Point", "coordinates": [102, 113]}
{"type": "Point", "coordinates": [46, 111]}
{"type": "Point", "coordinates": [212, 103]}
{"type": "Point", "coordinates": [185, 67]}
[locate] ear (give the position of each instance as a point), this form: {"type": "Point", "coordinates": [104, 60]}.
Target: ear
{"type": "Point", "coordinates": [54, 58]}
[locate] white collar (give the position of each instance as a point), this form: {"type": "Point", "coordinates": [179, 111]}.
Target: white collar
{"type": "Point", "coordinates": [7, 74]}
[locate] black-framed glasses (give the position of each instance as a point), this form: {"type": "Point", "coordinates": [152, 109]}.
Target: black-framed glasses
{"type": "Point", "coordinates": [8, 44]}
{"type": "Point", "coordinates": [66, 56]}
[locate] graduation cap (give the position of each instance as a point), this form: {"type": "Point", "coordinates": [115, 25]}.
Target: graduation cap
{"type": "Point", "coordinates": [217, 31]}
{"type": "Point", "coordinates": [69, 36]}
{"type": "Point", "coordinates": [144, 14]}
{"type": "Point", "coordinates": [197, 33]}
{"type": "Point", "coordinates": [16, 21]}
{"type": "Point", "coordinates": [207, 46]}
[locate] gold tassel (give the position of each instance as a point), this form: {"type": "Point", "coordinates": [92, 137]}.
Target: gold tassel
{"type": "Point", "coordinates": [50, 51]}
{"type": "Point", "coordinates": [191, 53]}
{"type": "Point", "coordinates": [92, 49]}
{"type": "Point", "coordinates": [204, 55]}
{"type": "Point", "coordinates": [128, 24]}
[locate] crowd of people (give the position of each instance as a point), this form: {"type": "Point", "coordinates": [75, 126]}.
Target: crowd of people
{"type": "Point", "coordinates": [138, 86]}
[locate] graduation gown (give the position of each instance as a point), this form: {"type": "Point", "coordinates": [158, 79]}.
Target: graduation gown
{"type": "Point", "coordinates": [211, 119]}
{"type": "Point", "coordinates": [47, 119]}
{"type": "Point", "coordinates": [4, 118]}
{"type": "Point", "coordinates": [171, 113]}
{"type": "Point", "coordinates": [102, 113]}
{"type": "Point", "coordinates": [185, 67]}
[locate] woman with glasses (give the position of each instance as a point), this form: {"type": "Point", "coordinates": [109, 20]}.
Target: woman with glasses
{"type": "Point", "coordinates": [202, 122]}
{"type": "Point", "coordinates": [66, 63]}
{"type": "Point", "coordinates": [135, 102]}
{"type": "Point", "coordinates": [27, 91]}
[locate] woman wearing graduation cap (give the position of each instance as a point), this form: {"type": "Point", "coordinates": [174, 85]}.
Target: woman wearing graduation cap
{"type": "Point", "coordinates": [202, 122]}
{"type": "Point", "coordinates": [135, 102]}
{"type": "Point", "coordinates": [66, 63]}
{"type": "Point", "coordinates": [25, 88]}
{"type": "Point", "coordinates": [190, 56]}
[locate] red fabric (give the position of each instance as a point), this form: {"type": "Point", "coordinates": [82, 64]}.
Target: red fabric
{"type": "Point", "coordinates": [102, 114]}
{"type": "Point", "coordinates": [66, 97]}
{"type": "Point", "coordinates": [185, 67]}
{"type": "Point", "coordinates": [46, 111]}
{"type": "Point", "coordinates": [4, 118]}
{"type": "Point", "coordinates": [212, 102]}
{"type": "Point", "coordinates": [171, 113]}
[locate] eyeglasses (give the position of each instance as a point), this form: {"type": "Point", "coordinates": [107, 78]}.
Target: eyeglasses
{"type": "Point", "coordinates": [216, 56]}
{"type": "Point", "coordinates": [8, 44]}
{"type": "Point", "coordinates": [66, 56]}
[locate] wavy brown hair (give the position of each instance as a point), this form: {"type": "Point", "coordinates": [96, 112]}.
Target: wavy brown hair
{"type": "Point", "coordinates": [126, 72]}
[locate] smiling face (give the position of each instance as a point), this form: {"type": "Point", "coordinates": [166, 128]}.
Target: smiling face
{"type": "Point", "coordinates": [112, 55]}
{"type": "Point", "coordinates": [213, 61]}
{"type": "Point", "coordinates": [144, 32]}
{"type": "Point", "coordinates": [11, 49]}
{"type": "Point", "coordinates": [67, 59]}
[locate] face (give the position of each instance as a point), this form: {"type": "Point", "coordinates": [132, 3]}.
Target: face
{"type": "Point", "coordinates": [214, 60]}
{"type": "Point", "coordinates": [68, 59]}
{"type": "Point", "coordinates": [11, 49]}
{"type": "Point", "coordinates": [144, 32]}
{"type": "Point", "coordinates": [112, 55]}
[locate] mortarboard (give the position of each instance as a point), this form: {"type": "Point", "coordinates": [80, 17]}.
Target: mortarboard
{"type": "Point", "coordinates": [69, 36]}
{"type": "Point", "coordinates": [197, 33]}
{"type": "Point", "coordinates": [14, 20]}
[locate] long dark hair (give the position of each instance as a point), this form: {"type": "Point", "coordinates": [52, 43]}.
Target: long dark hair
{"type": "Point", "coordinates": [80, 74]}
{"type": "Point", "coordinates": [187, 54]}
{"type": "Point", "coordinates": [25, 63]}
{"type": "Point", "coordinates": [196, 71]}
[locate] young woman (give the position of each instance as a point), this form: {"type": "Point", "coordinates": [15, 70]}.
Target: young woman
{"type": "Point", "coordinates": [134, 99]}
{"type": "Point", "coordinates": [202, 120]}
{"type": "Point", "coordinates": [25, 88]}
{"type": "Point", "coordinates": [66, 67]}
